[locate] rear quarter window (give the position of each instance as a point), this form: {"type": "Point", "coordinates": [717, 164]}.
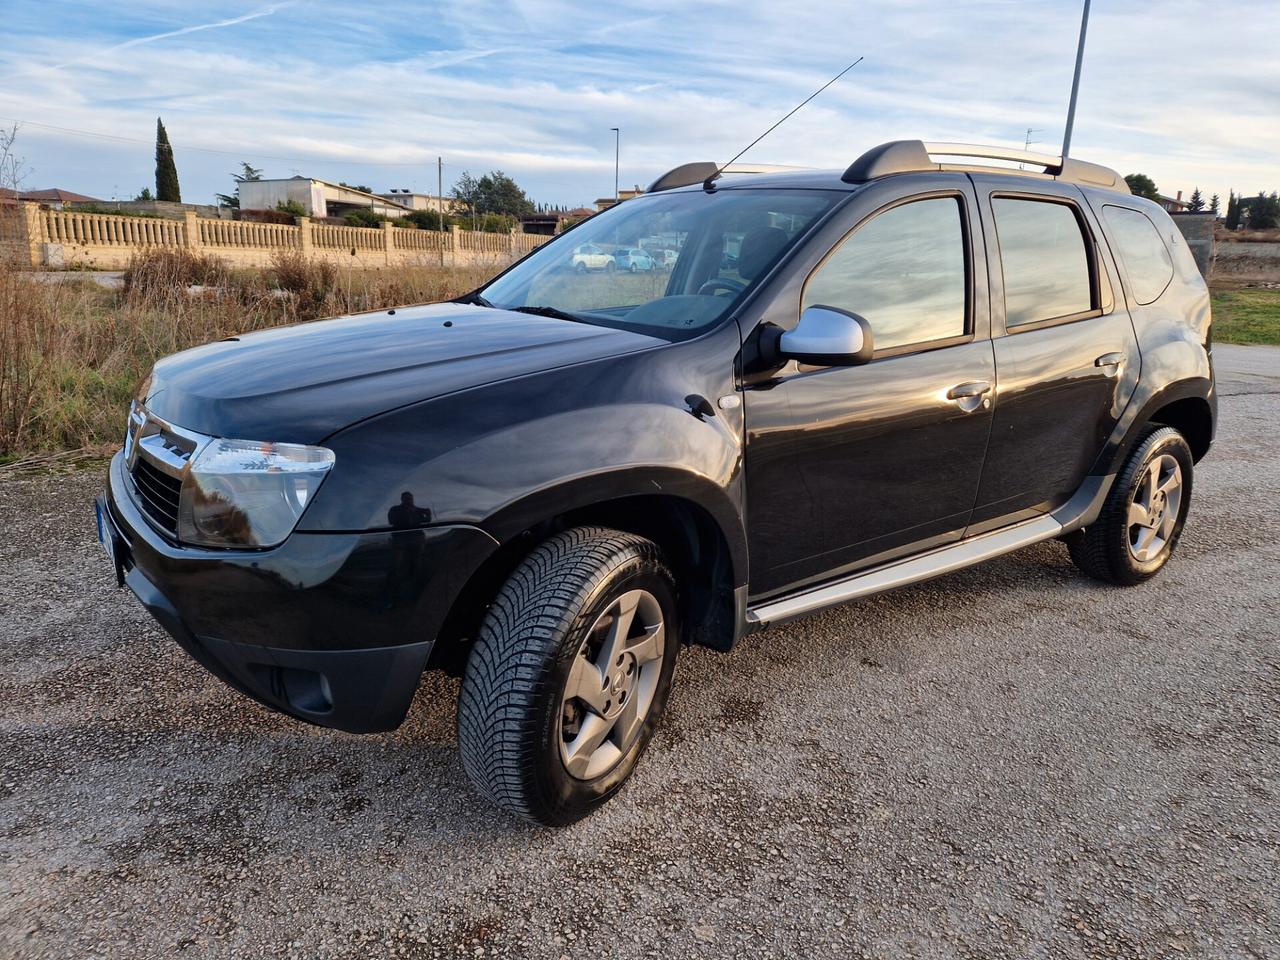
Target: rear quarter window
{"type": "Point", "coordinates": [1146, 259]}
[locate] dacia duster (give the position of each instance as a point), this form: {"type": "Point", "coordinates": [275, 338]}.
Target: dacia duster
{"type": "Point", "coordinates": [846, 382]}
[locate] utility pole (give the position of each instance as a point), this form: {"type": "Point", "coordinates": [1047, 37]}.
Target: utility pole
{"type": "Point", "coordinates": [1026, 144]}
{"type": "Point", "coordinates": [617, 147]}
{"type": "Point", "coordinates": [440, 202]}
{"type": "Point", "coordinates": [1075, 83]}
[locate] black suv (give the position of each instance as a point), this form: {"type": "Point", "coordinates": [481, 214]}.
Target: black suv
{"type": "Point", "coordinates": [845, 383]}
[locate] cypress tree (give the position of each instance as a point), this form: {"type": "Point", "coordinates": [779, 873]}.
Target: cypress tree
{"type": "Point", "coordinates": [1233, 210]}
{"type": "Point", "coordinates": [166, 170]}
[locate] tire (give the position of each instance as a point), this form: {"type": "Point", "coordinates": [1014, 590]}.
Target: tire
{"type": "Point", "coordinates": [610, 267]}
{"type": "Point", "coordinates": [635, 268]}
{"type": "Point", "coordinates": [1120, 547]}
{"type": "Point", "coordinates": [580, 267]}
{"type": "Point", "coordinates": [518, 726]}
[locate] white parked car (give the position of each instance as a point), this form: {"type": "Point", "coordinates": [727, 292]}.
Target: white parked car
{"type": "Point", "coordinates": [592, 257]}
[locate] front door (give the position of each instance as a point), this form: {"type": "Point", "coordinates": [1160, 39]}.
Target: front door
{"type": "Point", "coordinates": [1066, 354]}
{"type": "Point", "coordinates": [851, 466]}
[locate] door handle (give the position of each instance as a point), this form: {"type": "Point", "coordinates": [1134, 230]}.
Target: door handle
{"type": "Point", "coordinates": [1112, 360]}
{"type": "Point", "coordinates": [974, 388]}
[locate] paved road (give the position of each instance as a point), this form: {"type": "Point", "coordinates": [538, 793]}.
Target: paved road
{"type": "Point", "coordinates": [1009, 762]}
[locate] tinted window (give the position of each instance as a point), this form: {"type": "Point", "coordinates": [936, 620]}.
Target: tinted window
{"type": "Point", "coordinates": [1042, 252]}
{"type": "Point", "coordinates": [903, 271]}
{"type": "Point", "coordinates": [1146, 258]}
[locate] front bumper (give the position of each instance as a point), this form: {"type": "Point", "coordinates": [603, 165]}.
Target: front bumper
{"type": "Point", "coordinates": [334, 629]}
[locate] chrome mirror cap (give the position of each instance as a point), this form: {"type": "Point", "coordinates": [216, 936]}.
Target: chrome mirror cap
{"type": "Point", "coordinates": [828, 336]}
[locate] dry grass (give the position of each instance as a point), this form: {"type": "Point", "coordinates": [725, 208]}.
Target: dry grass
{"type": "Point", "coordinates": [72, 353]}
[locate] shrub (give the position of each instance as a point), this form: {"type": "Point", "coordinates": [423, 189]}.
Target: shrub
{"type": "Point", "coordinates": [291, 207]}
{"type": "Point", "coordinates": [313, 283]}
{"type": "Point", "coordinates": [162, 274]}
{"type": "Point", "coordinates": [364, 218]}
{"type": "Point", "coordinates": [429, 219]}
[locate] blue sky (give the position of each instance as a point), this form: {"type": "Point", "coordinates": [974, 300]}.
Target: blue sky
{"type": "Point", "coordinates": [1188, 92]}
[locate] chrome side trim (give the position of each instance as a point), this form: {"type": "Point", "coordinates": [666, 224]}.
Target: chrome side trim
{"type": "Point", "coordinates": [901, 573]}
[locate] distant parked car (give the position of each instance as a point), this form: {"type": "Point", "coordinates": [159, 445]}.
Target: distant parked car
{"type": "Point", "coordinates": [589, 256]}
{"type": "Point", "coordinates": [634, 259]}
{"type": "Point", "coordinates": [666, 259]}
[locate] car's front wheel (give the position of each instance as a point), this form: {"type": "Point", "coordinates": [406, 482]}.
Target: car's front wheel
{"type": "Point", "coordinates": [1141, 521]}
{"type": "Point", "coordinates": [569, 674]}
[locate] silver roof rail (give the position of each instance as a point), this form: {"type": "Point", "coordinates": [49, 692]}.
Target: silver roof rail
{"type": "Point", "coordinates": [690, 173]}
{"type": "Point", "coordinates": [917, 156]}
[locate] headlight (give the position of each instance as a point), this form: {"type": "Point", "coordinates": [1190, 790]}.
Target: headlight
{"type": "Point", "coordinates": [238, 493]}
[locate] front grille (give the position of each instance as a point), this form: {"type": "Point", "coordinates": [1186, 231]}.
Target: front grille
{"type": "Point", "coordinates": [157, 494]}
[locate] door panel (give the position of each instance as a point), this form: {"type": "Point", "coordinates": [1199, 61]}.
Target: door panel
{"type": "Point", "coordinates": [857, 464]}
{"type": "Point", "coordinates": [1055, 404]}
{"type": "Point", "coordinates": [1054, 411]}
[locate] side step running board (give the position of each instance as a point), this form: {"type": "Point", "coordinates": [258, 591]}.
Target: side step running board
{"type": "Point", "coordinates": [935, 563]}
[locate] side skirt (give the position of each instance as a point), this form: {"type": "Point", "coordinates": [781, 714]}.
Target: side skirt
{"type": "Point", "coordinates": [925, 566]}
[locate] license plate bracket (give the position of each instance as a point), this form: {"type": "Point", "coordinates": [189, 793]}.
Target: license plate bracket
{"type": "Point", "coordinates": [109, 538]}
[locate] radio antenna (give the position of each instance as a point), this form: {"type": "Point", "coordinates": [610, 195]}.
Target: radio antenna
{"type": "Point", "coordinates": [707, 184]}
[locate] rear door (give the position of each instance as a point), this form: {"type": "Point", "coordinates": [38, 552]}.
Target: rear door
{"type": "Point", "coordinates": [1066, 356]}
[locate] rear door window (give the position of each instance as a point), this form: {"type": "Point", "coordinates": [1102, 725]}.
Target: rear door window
{"type": "Point", "coordinates": [1047, 274]}
{"type": "Point", "coordinates": [1146, 258]}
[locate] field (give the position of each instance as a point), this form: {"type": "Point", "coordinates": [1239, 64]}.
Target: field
{"type": "Point", "coordinates": [72, 353]}
{"type": "Point", "coordinates": [1246, 315]}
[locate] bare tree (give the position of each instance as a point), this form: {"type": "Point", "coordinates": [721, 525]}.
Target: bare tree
{"type": "Point", "coordinates": [13, 168]}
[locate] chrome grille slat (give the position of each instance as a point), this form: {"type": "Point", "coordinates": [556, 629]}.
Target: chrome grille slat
{"type": "Point", "coordinates": [158, 493]}
{"type": "Point", "coordinates": [164, 499]}
{"type": "Point", "coordinates": [157, 454]}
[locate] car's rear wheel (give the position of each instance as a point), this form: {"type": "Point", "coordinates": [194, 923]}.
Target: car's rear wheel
{"type": "Point", "coordinates": [1142, 519]}
{"type": "Point", "coordinates": [580, 267]}
{"type": "Point", "coordinates": [569, 674]}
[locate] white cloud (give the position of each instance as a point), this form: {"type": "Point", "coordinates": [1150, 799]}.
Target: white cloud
{"type": "Point", "coordinates": [1190, 97]}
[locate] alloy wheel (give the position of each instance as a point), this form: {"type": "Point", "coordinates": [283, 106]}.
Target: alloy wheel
{"type": "Point", "coordinates": [1154, 510]}
{"type": "Point", "coordinates": [611, 685]}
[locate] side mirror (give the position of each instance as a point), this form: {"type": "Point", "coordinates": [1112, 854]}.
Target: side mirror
{"type": "Point", "coordinates": [829, 337]}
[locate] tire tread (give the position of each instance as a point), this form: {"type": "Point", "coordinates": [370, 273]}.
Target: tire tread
{"type": "Point", "coordinates": [515, 655]}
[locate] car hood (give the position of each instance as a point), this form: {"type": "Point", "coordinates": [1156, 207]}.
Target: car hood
{"type": "Point", "coordinates": [301, 383]}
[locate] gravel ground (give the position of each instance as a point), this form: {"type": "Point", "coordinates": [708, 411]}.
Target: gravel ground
{"type": "Point", "coordinates": [1012, 761]}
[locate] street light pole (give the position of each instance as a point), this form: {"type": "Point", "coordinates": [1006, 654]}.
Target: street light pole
{"type": "Point", "coordinates": [617, 148]}
{"type": "Point", "coordinates": [1075, 83]}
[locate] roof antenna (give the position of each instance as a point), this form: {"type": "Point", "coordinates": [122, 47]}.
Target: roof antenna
{"type": "Point", "coordinates": [707, 184]}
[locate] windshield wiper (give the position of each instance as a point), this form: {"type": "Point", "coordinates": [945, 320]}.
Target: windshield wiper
{"type": "Point", "coordinates": [474, 299]}
{"type": "Point", "coordinates": [553, 312]}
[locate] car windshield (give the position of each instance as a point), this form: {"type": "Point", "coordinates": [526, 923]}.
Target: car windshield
{"type": "Point", "coordinates": [612, 270]}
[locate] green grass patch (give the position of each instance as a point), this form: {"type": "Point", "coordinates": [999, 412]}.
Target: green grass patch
{"type": "Point", "coordinates": [1246, 316]}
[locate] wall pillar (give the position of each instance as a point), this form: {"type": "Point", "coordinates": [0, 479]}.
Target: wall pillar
{"type": "Point", "coordinates": [304, 235]}
{"type": "Point", "coordinates": [191, 229]}
{"type": "Point", "coordinates": [31, 226]}
{"type": "Point", "coordinates": [387, 247]}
